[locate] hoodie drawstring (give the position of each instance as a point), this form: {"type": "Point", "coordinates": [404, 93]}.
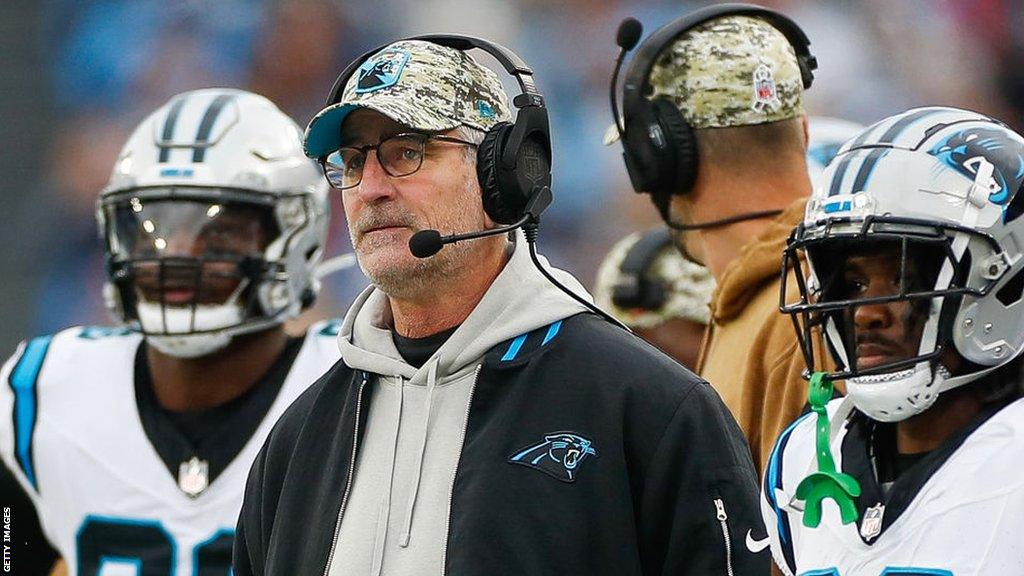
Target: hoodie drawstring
{"type": "Point", "coordinates": [431, 385]}
{"type": "Point", "coordinates": [384, 513]}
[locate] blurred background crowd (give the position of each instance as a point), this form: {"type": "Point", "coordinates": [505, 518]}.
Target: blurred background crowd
{"type": "Point", "coordinates": [77, 75]}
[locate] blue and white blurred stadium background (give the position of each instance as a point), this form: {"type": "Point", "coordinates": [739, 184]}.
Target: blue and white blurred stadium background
{"type": "Point", "coordinates": [76, 75]}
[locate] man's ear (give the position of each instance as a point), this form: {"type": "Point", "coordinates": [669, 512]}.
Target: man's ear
{"type": "Point", "coordinates": [807, 134]}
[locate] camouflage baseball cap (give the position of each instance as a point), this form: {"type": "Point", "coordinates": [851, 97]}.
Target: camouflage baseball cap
{"type": "Point", "coordinates": [420, 84]}
{"type": "Point", "coordinates": [731, 71]}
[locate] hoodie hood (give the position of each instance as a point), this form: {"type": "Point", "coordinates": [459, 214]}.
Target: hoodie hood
{"type": "Point", "coordinates": [759, 262]}
{"type": "Point", "coordinates": [519, 300]}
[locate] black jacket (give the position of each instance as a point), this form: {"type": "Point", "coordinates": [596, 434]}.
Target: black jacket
{"type": "Point", "coordinates": [641, 501]}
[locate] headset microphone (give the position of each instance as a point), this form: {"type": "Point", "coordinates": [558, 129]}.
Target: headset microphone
{"type": "Point", "coordinates": [426, 243]}
{"type": "Point", "coordinates": [629, 33]}
{"type": "Point", "coordinates": [627, 37]}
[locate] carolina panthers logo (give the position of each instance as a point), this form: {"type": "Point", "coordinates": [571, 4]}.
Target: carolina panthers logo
{"type": "Point", "coordinates": [965, 152]}
{"type": "Point", "coordinates": [559, 455]}
{"type": "Point", "coordinates": [381, 71]}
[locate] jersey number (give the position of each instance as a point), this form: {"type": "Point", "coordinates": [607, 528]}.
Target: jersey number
{"type": "Point", "coordinates": [147, 547]}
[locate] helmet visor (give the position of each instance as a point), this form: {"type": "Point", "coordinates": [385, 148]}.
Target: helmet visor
{"type": "Point", "coordinates": [188, 254]}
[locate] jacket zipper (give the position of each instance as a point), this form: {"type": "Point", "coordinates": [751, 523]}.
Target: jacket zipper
{"type": "Point", "coordinates": [723, 520]}
{"type": "Point", "coordinates": [351, 473]}
{"type": "Point", "coordinates": [451, 491]}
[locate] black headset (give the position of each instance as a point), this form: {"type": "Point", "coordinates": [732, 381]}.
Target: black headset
{"type": "Point", "coordinates": [659, 146]}
{"type": "Point", "coordinates": [514, 159]}
{"type": "Point", "coordinates": [636, 286]}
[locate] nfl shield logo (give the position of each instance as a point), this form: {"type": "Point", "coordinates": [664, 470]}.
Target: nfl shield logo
{"type": "Point", "coordinates": [193, 476]}
{"type": "Point", "coordinates": [765, 96]}
{"type": "Point", "coordinates": [381, 71]}
{"type": "Point", "coordinates": [532, 162]}
{"type": "Point", "coordinates": [872, 523]}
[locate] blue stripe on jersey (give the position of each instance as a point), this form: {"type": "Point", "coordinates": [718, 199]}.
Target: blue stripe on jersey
{"type": "Point", "coordinates": [773, 480]}
{"type": "Point", "coordinates": [821, 572]}
{"type": "Point", "coordinates": [552, 332]}
{"type": "Point", "coordinates": [23, 382]}
{"type": "Point", "coordinates": [513, 350]}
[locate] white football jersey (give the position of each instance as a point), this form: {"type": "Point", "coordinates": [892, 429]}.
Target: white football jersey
{"type": "Point", "coordinates": [71, 431]}
{"type": "Point", "coordinates": [957, 512]}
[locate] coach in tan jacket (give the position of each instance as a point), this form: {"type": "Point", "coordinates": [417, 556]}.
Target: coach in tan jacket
{"type": "Point", "coordinates": [737, 82]}
{"type": "Point", "coordinates": [750, 352]}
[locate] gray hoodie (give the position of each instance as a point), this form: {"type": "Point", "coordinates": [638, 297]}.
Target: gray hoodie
{"type": "Point", "coordinates": [396, 518]}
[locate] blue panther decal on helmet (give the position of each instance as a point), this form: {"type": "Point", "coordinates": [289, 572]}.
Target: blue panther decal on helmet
{"type": "Point", "coordinates": [963, 151]}
{"type": "Point", "coordinates": [559, 455]}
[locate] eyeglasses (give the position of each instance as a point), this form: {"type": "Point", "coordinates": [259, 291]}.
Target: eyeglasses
{"type": "Point", "coordinates": [399, 155]}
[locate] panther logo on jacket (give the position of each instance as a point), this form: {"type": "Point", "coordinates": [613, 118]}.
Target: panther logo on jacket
{"type": "Point", "coordinates": [559, 455]}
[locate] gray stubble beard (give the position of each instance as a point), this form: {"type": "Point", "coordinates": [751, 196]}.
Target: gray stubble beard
{"type": "Point", "coordinates": [425, 275]}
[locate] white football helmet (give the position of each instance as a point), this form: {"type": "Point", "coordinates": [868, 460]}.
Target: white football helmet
{"type": "Point", "coordinates": [939, 189]}
{"type": "Point", "coordinates": [213, 222]}
{"type": "Point", "coordinates": [825, 136]}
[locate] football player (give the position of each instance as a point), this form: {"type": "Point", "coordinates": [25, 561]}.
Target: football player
{"type": "Point", "coordinates": [914, 270]}
{"type": "Point", "coordinates": [134, 443]}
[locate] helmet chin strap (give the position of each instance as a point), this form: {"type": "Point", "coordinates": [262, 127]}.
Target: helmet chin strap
{"type": "Point", "coordinates": [193, 331]}
{"type": "Point", "coordinates": [957, 381]}
{"type": "Point", "coordinates": [183, 319]}
{"type": "Point", "coordinates": [896, 396]}
{"type": "Point", "coordinates": [190, 346]}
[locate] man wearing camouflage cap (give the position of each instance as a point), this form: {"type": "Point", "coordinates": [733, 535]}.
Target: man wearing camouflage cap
{"type": "Point", "coordinates": [737, 82]}
{"type": "Point", "coordinates": [481, 423]}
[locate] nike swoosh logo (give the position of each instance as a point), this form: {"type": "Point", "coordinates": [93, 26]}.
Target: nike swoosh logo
{"type": "Point", "coordinates": [757, 546]}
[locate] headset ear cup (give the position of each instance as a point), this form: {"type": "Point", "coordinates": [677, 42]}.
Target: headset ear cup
{"type": "Point", "coordinates": [638, 153]}
{"type": "Point", "coordinates": [487, 157]}
{"type": "Point", "coordinates": [681, 171]}
{"type": "Point", "coordinates": [661, 152]}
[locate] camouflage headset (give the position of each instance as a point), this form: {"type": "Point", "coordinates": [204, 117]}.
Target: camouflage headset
{"type": "Point", "coordinates": [514, 159]}
{"type": "Point", "coordinates": [659, 146]}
